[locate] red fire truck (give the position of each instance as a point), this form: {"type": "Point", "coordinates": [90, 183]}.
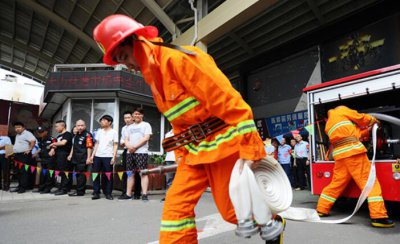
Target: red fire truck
{"type": "Point", "coordinates": [376, 91]}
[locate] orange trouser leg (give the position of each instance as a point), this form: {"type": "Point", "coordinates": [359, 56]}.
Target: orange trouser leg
{"type": "Point", "coordinates": [178, 224]}
{"type": "Point", "coordinates": [341, 177]}
{"type": "Point", "coordinates": [219, 175]}
{"type": "Point", "coordinates": [359, 167]}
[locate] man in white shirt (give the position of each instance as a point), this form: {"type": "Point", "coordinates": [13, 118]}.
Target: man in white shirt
{"type": "Point", "coordinates": [137, 143]}
{"type": "Point", "coordinates": [104, 157]}
{"type": "Point", "coordinates": [24, 143]}
{"type": "Point", "coordinates": [128, 119]}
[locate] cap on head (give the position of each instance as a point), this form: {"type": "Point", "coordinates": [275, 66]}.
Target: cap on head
{"type": "Point", "coordinates": [41, 129]}
{"type": "Point", "coordinates": [114, 29]}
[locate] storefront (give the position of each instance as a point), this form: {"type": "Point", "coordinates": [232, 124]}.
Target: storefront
{"type": "Point", "coordinates": [89, 91]}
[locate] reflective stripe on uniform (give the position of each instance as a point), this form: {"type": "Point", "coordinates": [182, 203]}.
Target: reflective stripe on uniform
{"type": "Point", "coordinates": [241, 128]}
{"type": "Point", "coordinates": [181, 108]}
{"type": "Point", "coordinates": [339, 125]}
{"type": "Point", "coordinates": [328, 198]}
{"type": "Point", "coordinates": [177, 225]}
{"type": "Point", "coordinates": [375, 199]}
{"type": "Point", "coordinates": [348, 148]}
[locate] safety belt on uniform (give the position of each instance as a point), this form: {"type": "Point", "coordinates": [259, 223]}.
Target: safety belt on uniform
{"type": "Point", "coordinates": [176, 47]}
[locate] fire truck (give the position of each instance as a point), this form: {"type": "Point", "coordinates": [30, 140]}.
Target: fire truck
{"type": "Point", "coordinates": [376, 91]}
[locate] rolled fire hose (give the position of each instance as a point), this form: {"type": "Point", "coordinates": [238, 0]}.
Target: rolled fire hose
{"type": "Point", "coordinates": [261, 192]}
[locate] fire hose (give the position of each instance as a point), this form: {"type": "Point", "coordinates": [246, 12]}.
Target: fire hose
{"type": "Point", "coordinates": [274, 188]}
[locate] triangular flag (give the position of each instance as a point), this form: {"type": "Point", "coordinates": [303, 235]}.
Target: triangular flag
{"type": "Point", "coordinates": [57, 173]}
{"type": "Point", "coordinates": [295, 132]}
{"type": "Point", "coordinates": [108, 174]}
{"type": "Point", "coordinates": [129, 173]}
{"type": "Point", "coordinates": [38, 169]}
{"type": "Point", "coordinates": [51, 172]}
{"type": "Point", "coordinates": [310, 129]}
{"type": "Point", "coordinates": [74, 174]}
{"type": "Point", "coordinates": [94, 176]}
{"type": "Point", "coordinates": [66, 174]}
{"type": "Point", "coordinates": [44, 171]}
{"type": "Point", "coordinates": [87, 175]}
{"type": "Point", "coordinates": [120, 174]}
{"type": "Point", "coordinates": [26, 167]}
{"type": "Point", "coordinates": [279, 138]}
{"type": "Point", "coordinates": [33, 169]}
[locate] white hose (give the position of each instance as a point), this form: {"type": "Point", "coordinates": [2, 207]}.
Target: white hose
{"type": "Point", "coordinates": [274, 186]}
{"type": "Point", "coordinates": [386, 118]}
{"type": "Point", "coordinates": [310, 215]}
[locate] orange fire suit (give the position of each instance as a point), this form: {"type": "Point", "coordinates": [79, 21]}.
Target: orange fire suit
{"type": "Point", "coordinates": [351, 161]}
{"type": "Point", "coordinates": [189, 89]}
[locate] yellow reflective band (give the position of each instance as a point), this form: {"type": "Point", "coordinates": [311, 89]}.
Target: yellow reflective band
{"type": "Point", "coordinates": [181, 108]}
{"type": "Point", "coordinates": [375, 199]}
{"type": "Point", "coordinates": [348, 148]}
{"type": "Point", "coordinates": [244, 127]}
{"type": "Point", "coordinates": [328, 198]}
{"type": "Point", "coordinates": [339, 125]}
{"type": "Point", "coordinates": [177, 225]}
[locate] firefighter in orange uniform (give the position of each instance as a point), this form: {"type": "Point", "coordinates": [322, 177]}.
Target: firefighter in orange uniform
{"type": "Point", "coordinates": [188, 89]}
{"type": "Point", "coordinates": [344, 128]}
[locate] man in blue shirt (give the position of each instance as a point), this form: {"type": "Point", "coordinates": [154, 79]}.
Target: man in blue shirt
{"type": "Point", "coordinates": [284, 155]}
{"type": "Point", "coordinates": [4, 164]}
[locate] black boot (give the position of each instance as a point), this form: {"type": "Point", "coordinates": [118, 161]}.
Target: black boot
{"type": "Point", "coordinates": [382, 223]}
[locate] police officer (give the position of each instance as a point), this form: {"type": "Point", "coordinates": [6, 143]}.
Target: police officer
{"type": "Point", "coordinates": [46, 161]}
{"type": "Point", "coordinates": [80, 156]}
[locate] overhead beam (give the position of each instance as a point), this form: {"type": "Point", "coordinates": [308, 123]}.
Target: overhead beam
{"type": "Point", "coordinates": [22, 46]}
{"type": "Point", "coordinates": [30, 28]}
{"type": "Point", "coordinates": [162, 16]}
{"type": "Point", "coordinates": [44, 36]}
{"type": "Point", "coordinates": [36, 7]}
{"type": "Point", "coordinates": [226, 17]}
{"type": "Point", "coordinates": [241, 43]}
{"type": "Point", "coordinates": [315, 9]}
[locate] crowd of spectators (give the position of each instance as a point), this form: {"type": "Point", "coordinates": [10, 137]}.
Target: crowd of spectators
{"type": "Point", "coordinates": [76, 155]}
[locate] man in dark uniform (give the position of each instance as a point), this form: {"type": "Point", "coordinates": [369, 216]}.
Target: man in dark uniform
{"type": "Point", "coordinates": [80, 156]}
{"type": "Point", "coordinates": [47, 162]}
{"type": "Point", "coordinates": [62, 148]}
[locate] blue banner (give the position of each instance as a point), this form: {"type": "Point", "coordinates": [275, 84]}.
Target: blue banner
{"type": "Point", "coordinates": [284, 124]}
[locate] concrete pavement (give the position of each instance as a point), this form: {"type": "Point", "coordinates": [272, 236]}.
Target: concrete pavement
{"type": "Point", "coordinates": [35, 218]}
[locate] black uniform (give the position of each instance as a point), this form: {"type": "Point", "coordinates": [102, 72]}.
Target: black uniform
{"type": "Point", "coordinates": [47, 163]}
{"type": "Point", "coordinates": [62, 153]}
{"type": "Point", "coordinates": [79, 156]}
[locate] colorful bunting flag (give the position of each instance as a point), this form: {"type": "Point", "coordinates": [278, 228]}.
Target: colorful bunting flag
{"type": "Point", "coordinates": [44, 171]}
{"type": "Point", "coordinates": [57, 173]}
{"type": "Point", "coordinates": [94, 176]}
{"type": "Point", "coordinates": [310, 129]}
{"type": "Point", "coordinates": [26, 167]}
{"type": "Point", "coordinates": [120, 174]}
{"type": "Point", "coordinates": [51, 172]}
{"type": "Point", "coordinates": [129, 173]}
{"type": "Point", "coordinates": [108, 174]}
{"type": "Point", "coordinates": [87, 175]}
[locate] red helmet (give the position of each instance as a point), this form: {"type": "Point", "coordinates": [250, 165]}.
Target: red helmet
{"type": "Point", "coordinates": [114, 29]}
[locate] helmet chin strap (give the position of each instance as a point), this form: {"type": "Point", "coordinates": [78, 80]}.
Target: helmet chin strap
{"type": "Point", "coordinates": [169, 45]}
